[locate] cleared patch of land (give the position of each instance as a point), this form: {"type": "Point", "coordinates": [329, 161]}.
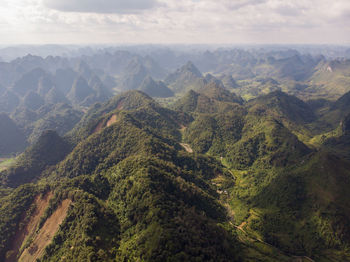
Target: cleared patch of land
{"type": "Point", "coordinates": [187, 147]}
{"type": "Point", "coordinates": [41, 203]}
{"type": "Point", "coordinates": [46, 233]}
{"type": "Point", "coordinates": [112, 120]}
{"type": "Point", "coordinates": [101, 124]}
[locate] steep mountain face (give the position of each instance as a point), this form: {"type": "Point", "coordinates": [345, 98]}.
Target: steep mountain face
{"type": "Point", "coordinates": [185, 78]}
{"type": "Point", "coordinates": [155, 88]}
{"type": "Point", "coordinates": [337, 141]}
{"type": "Point", "coordinates": [35, 99]}
{"type": "Point", "coordinates": [135, 73]}
{"type": "Point", "coordinates": [334, 112]}
{"type": "Point", "coordinates": [12, 140]}
{"type": "Point", "coordinates": [85, 93]}
{"type": "Point", "coordinates": [153, 68]}
{"type": "Point", "coordinates": [331, 78]}
{"type": "Point", "coordinates": [45, 85]}
{"type": "Point", "coordinates": [59, 117]}
{"type": "Point", "coordinates": [209, 78]}
{"type": "Point", "coordinates": [163, 122]}
{"type": "Point", "coordinates": [55, 96]}
{"type": "Point", "coordinates": [214, 179]}
{"type": "Point", "coordinates": [282, 105]}
{"type": "Point", "coordinates": [266, 142]}
{"type": "Point", "coordinates": [149, 188]}
{"type": "Point", "coordinates": [295, 67]}
{"type": "Point", "coordinates": [64, 79]}
{"type": "Point", "coordinates": [48, 150]}
{"type": "Point", "coordinates": [8, 101]}
{"type": "Point", "coordinates": [297, 209]}
{"type": "Point", "coordinates": [228, 81]}
{"type": "Point", "coordinates": [127, 101]}
{"type": "Point", "coordinates": [79, 91]}
{"type": "Point", "coordinates": [345, 125]}
{"type": "Point", "coordinates": [109, 81]}
{"type": "Point", "coordinates": [209, 177]}
{"type": "Point", "coordinates": [101, 92]}
{"type": "Point", "coordinates": [83, 69]}
{"type": "Point", "coordinates": [32, 101]}
{"type": "Point", "coordinates": [244, 134]}
{"type": "Point", "coordinates": [81, 87]}
{"type": "Point", "coordinates": [29, 81]}
{"type": "Point", "coordinates": [197, 102]}
{"type": "Point", "coordinates": [211, 98]}
{"type": "Point", "coordinates": [342, 103]}
{"type": "Point", "coordinates": [119, 63]}
{"type": "Point", "coordinates": [275, 173]}
{"type": "Point", "coordinates": [218, 92]}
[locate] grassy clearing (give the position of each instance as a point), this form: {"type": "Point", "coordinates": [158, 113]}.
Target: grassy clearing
{"type": "Point", "coordinates": [6, 162]}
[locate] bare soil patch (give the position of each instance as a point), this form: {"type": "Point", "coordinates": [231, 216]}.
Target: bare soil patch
{"type": "Point", "coordinates": [187, 147]}
{"type": "Point", "coordinates": [112, 120]}
{"type": "Point", "coordinates": [46, 233]}
{"type": "Point", "coordinates": [101, 125]}
{"type": "Point", "coordinates": [41, 203]}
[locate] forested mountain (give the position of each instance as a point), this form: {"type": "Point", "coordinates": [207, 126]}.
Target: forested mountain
{"type": "Point", "coordinates": [230, 161]}
{"type": "Point", "coordinates": [47, 151]}
{"type": "Point", "coordinates": [155, 88]}
{"type": "Point", "coordinates": [185, 78]}
{"type": "Point", "coordinates": [12, 139]}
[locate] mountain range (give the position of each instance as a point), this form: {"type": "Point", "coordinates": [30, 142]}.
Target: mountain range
{"type": "Point", "coordinates": [243, 158]}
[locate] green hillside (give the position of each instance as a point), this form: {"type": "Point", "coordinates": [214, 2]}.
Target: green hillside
{"type": "Point", "coordinates": [185, 78]}
{"type": "Point", "coordinates": [155, 88]}
{"type": "Point", "coordinates": [211, 178]}
{"type": "Point", "coordinates": [12, 139]}
{"type": "Point", "coordinates": [47, 151]}
{"type": "Point", "coordinates": [275, 191]}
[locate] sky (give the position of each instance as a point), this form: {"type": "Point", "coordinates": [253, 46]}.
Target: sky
{"type": "Point", "coordinates": [174, 21]}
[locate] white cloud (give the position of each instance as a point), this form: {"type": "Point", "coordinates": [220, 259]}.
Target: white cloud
{"type": "Point", "coordinates": [100, 6]}
{"type": "Point", "coordinates": [234, 5]}
{"type": "Point", "coordinates": [175, 21]}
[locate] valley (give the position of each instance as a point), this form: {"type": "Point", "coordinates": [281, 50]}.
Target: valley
{"type": "Point", "coordinates": [122, 156]}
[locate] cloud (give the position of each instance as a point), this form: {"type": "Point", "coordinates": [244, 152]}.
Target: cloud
{"type": "Point", "coordinates": [101, 6]}
{"type": "Point", "coordinates": [234, 5]}
{"type": "Point", "coordinates": [175, 21]}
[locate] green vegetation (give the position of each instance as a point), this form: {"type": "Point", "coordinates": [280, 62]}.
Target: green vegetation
{"type": "Point", "coordinates": [6, 163]}
{"type": "Point", "coordinates": [267, 181]}
{"type": "Point", "coordinates": [277, 192]}
{"type": "Point", "coordinates": [185, 78]}
{"type": "Point", "coordinates": [12, 138]}
{"type": "Point", "coordinates": [12, 209]}
{"type": "Point", "coordinates": [155, 88]}
{"type": "Point", "coordinates": [48, 151]}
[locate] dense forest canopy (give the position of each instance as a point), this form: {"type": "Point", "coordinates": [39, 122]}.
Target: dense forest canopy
{"type": "Point", "coordinates": [166, 154]}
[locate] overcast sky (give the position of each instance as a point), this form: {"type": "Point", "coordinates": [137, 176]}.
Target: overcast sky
{"type": "Point", "coordinates": [174, 21]}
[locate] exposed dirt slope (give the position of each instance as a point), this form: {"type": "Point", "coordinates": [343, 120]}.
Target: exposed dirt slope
{"type": "Point", "coordinates": [41, 203]}
{"type": "Point", "coordinates": [112, 120]}
{"type": "Point", "coordinates": [187, 147]}
{"type": "Point", "coordinates": [46, 233]}
{"type": "Point", "coordinates": [101, 125]}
